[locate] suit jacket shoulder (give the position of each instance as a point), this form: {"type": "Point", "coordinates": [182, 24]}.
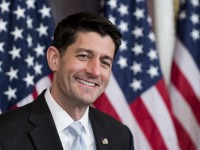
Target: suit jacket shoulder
{"type": "Point", "coordinates": [29, 127]}
{"type": "Point", "coordinates": [109, 133]}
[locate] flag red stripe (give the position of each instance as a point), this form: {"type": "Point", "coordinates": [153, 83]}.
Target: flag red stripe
{"type": "Point", "coordinates": [12, 107]}
{"type": "Point", "coordinates": [147, 124]}
{"type": "Point", "coordinates": [34, 94]}
{"type": "Point", "coordinates": [161, 87]}
{"type": "Point", "coordinates": [51, 76]}
{"type": "Point", "coordinates": [185, 141]}
{"type": "Point", "coordinates": [187, 92]}
{"type": "Point", "coordinates": [103, 104]}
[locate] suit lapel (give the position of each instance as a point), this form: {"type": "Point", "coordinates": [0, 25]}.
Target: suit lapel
{"type": "Point", "coordinates": [101, 138]}
{"type": "Point", "coordinates": [44, 135]}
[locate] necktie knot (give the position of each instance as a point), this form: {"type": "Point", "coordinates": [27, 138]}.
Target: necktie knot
{"type": "Point", "coordinates": [76, 128]}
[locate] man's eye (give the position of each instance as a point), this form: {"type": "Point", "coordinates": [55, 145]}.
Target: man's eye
{"type": "Point", "coordinates": [106, 64]}
{"type": "Point", "coordinates": [83, 57]}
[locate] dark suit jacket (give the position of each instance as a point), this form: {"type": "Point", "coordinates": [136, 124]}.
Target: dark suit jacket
{"type": "Point", "coordinates": [31, 127]}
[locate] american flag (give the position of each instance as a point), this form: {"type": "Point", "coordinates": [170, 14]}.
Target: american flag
{"type": "Point", "coordinates": [26, 29]}
{"type": "Point", "coordinates": [185, 77]}
{"type": "Point", "coordinates": [136, 94]}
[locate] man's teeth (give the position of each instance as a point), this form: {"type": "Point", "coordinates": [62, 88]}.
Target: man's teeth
{"type": "Point", "coordinates": [86, 83]}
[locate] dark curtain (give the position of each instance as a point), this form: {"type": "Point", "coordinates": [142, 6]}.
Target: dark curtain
{"type": "Point", "coordinates": [63, 8]}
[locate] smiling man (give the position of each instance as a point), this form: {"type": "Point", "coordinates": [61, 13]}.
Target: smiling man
{"type": "Point", "coordinates": [82, 73]}
{"type": "Point", "coordinates": [80, 58]}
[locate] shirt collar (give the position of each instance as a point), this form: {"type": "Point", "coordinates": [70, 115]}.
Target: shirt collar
{"type": "Point", "coordinates": [85, 121]}
{"type": "Point", "coordinates": [61, 117]}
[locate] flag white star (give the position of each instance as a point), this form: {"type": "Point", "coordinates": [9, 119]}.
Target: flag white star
{"type": "Point", "coordinates": [29, 22]}
{"type": "Point", "coordinates": [195, 34]}
{"type": "Point", "coordinates": [151, 36]}
{"type": "Point", "coordinates": [29, 60]}
{"type": "Point", "coordinates": [194, 18]}
{"type": "Point", "coordinates": [136, 67]}
{"type": "Point", "coordinates": [123, 26]}
{"type": "Point", "coordinates": [1, 63]}
{"type": "Point", "coordinates": [112, 19]}
{"type": "Point", "coordinates": [4, 6]}
{"type": "Point", "coordinates": [3, 25]}
{"type": "Point", "coordinates": [29, 80]}
{"type": "Point", "coordinates": [139, 13]}
{"type": "Point", "coordinates": [153, 71]}
{"type": "Point", "coordinates": [137, 49]}
{"type": "Point", "coordinates": [136, 85]}
{"type": "Point", "coordinates": [11, 93]}
{"type": "Point", "coordinates": [1, 46]}
{"type": "Point", "coordinates": [123, 45]}
{"type": "Point", "coordinates": [39, 50]}
{"type": "Point", "coordinates": [17, 33]}
{"type": "Point", "coordinates": [45, 11]}
{"type": "Point", "coordinates": [19, 12]}
{"type": "Point", "coordinates": [123, 9]}
{"type": "Point", "coordinates": [112, 3]}
{"type": "Point", "coordinates": [139, 1]}
{"type": "Point", "coordinates": [182, 15]}
{"type": "Point", "coordinates": [29, 41]}
{"type": "Point", "coordinates": [195, 3]}
{"type": "Point", "coordinates": [30, 4]}
{"type": "Point", "coordinates": [149, 20]}
{"type": "Point", "coordinates": [152, 54]}
{"type": "Point", "coordinates": [138, 32]}
{"type": "Point", "coordinates": [38, 68]}
{"type": "Point", "coordinates": [182, 2]}
{"type": "Point", "coordinates": [15, 52]}
{"type": "Point", "coordinates": [122, 62]}
{"type": "Point", "coordinates": [12, 74]}
{"type": "Point", "coordinates": [42, 30]}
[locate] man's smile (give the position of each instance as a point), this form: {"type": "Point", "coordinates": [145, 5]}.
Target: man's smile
{"type": "Point", "coordinates": [86, 82]}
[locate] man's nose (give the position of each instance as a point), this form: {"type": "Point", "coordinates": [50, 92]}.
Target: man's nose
{"type": "Point", "coordinates": [94, 67]}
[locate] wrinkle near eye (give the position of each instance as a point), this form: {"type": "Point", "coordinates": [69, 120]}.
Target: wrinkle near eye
{"type": "Point", "coordinates": [84, 57]}
{"type": "Point", "coordinates": [106, 64]}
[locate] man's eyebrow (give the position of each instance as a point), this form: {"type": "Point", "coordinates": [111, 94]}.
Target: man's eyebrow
{"type": "Point", "coordinates": [108, 57]}
{"type": "Point", "coordinates": [90, 52]}
{"type": "Point", "coordinates": [84, 50]}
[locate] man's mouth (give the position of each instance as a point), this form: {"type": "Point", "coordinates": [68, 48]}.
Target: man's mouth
{"type": "Point", "coordinates": [86, 82]}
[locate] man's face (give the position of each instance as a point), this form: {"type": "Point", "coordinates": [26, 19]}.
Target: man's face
{"type": "Point", "coordinates": [84, 70]}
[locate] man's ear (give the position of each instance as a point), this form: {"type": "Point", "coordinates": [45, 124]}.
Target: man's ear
{"type": "Point", "coordinates": [53, 57]}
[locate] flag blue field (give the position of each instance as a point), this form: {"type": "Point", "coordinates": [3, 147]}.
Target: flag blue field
{"type": "Point", "coordinates": [26, 30]}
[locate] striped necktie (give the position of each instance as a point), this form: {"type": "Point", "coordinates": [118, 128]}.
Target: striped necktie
{"type": "Point", "coordinates": [76, 130]}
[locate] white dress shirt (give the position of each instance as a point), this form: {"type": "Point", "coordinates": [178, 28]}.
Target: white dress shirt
{"type": "Point", "coordinates": [63, 120]}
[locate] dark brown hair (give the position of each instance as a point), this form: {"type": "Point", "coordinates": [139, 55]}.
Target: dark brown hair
{"type": "Point", "coordinates": [67, 29]}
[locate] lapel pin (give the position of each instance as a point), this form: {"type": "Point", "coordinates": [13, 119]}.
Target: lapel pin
{"type": "Point", "coordinates": [105, 141]}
